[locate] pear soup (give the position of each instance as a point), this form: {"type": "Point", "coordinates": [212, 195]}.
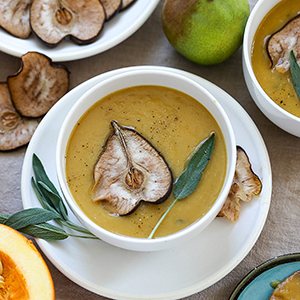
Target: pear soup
{"type": "Point", "coordinates": [175, 124]}
{"type": "Point", "coordinates": [279, 26]}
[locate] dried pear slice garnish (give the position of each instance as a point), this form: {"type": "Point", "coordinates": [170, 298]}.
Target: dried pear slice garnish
{"type": "Point", "coordinates": [38, 85]}
{"type": "Point", "coordinates": [54, 20]}
{"type": "Point", "coordinates": [111, 7]}
{"type": "Point", "coordinates": [14, 17]}
{"type": "Point", "coordinates": [126, 3]}
{"type": "Point", "coordinates": [288, 288]}
{"type": "Point", "coordinates": [130, 170]}
{"type": "Point", "coordinates": [245, 185]}
{"type": "Point", "coordinates": [281, 43]}
{"type": "Point", "coordinates": [15, 130]}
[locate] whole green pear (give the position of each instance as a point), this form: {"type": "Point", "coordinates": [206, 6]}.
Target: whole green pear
{"type": "Point", "coordinates": [206, 32]}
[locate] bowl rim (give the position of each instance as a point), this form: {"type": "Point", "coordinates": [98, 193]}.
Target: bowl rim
{"type": "Point", "coordinates": [247, 46]}
{"type": "Point", "coordinates": [143, 244]}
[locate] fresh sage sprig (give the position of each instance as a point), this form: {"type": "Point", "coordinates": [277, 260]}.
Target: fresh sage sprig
{"type": "Point", "coordinates": [190, 177]}
{"type": "Point", "coordinates": [295, 72]}
{"type": "Point", "coordinates": [32, 216]}
{"type": "Point", "coordinates": [33, 221]}
{"type": "Point", "coordinates": [50, 198]}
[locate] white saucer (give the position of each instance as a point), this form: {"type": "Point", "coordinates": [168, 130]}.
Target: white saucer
{"type": "Point", "coordinates": [115, 31]}
{"type": "Point", "coordinates": [170, 274]}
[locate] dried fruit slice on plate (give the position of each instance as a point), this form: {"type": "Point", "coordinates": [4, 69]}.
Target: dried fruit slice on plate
{"type": "Point", "coordinates": [53, 20]}
{"type": "Point", "coordinates": [111, 7]}
{"type": "Point", "coordinates": [23, 272]}
{"type": "Point", "coordinates": [38, 85]}
{"type": "Point", "coordinates": [130, 170]}
{"type": "Point", "coordinates": [245, 185]}
{"type": "Point", "coordinates": [15, 130]}
{"type": "Point", "coordinates": [282, 42]}
{"type": "Point", "coordinates": [126, 3]}
{"type": "Point", "coordinates": [14, 17]}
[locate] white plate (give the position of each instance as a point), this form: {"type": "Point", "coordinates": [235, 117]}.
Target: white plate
{"type": "Point", "coordinates": [170, 274]}
{"type": "Point", "coordinates": [116, 30]}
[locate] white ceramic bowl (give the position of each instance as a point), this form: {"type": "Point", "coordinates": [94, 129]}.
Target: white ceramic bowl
{"type": "Point", "coordinates": [134, 78]}
{"type": "Point", "coordinates": [270, 109]}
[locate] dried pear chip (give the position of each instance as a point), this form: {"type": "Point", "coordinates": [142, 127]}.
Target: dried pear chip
{"type": "Point", "coordinates": [111, 7]}
{"type": "Point", "coordinates": [38, 85]}
{"type": "Point", "coordinates": [15, 130]}
{"type": "Point", "coordinates": [54, 20]}
{"type": "Point", "coordinates": [245, 185]}
{"type": "Point", "coordinates": [126, 3]}
{"type": "Point", "coordinates": [14, 17]}
{"type": "Point", "coordinates": [281, 43]}
{"type": "Point", "coordinates": [130, 170]}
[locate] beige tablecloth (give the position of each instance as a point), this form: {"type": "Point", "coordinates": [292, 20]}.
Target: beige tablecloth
{"type": "Point", "coordinates": [148, 46]}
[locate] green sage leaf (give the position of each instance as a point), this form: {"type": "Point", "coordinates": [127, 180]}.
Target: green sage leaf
{"type": "Point", "coordinates": [190, 177]}
{"type": "Point", "coordinates": [55, 199]}
{"type": "Point", "coordinates": [50, 232]}
{"type": "Point", "coordinates": [45, 231]}
{"type": "Point", "coordinates": [50, 198]}
{"type": "Point", "coordinates": [58, 206]}
{"type": "Point", "coordinates": [295, 72]}
{"type": "Point", "coordinates": [41, 197]}
{"type": "Point", "coordinates": [30, 216]}
{"type": "Point", "coordinates": [40, 173]}
{"type": "Point", "coordinates": [47, 189]}
{"type": "Point", "coordinates": [3, 218]}
{"type": "Point", "coordinates": [32, 221]}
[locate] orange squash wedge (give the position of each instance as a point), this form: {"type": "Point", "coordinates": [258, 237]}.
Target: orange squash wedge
{"type": "Point", "coordinates": [23, 272]}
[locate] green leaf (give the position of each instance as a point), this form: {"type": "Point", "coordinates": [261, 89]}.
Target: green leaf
{"type": "Point", "coordinates": [3, 218]}
{"type": "Point", "coordinates": [50, 232]}
{"type": "Point", "coordinates": [40, 196]}
{"type": "Point", "coordinates": [295, 72]}
{"type": "Point", "coordinates": [190, 177]}
{"type": "Point", "coordinates": [47, 192]}
{"type": "Point", "coordinates": [50, 198]}
{"type": "Point", "coordinates": [45, 231]}
{"type": "Point", "coordinates": [57, 205]}
{"type": "Point", "coordinates": [54, 199]}
{"type": "Point", "coordinates": [41, 175]}
{"type": "Point", "coordinates": [32, 221]}
{"type": "Point", "coordinates": [30, 216]}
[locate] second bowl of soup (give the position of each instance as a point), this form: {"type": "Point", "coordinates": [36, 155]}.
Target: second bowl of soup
{"type": "Point", "coordinates": [122, 148]}
{"type": "Point", "coordinates": [271, 33]}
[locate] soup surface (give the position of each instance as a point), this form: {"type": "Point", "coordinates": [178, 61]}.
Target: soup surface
{"type": "Point", "coordinates": [175, 124]}
{"type": "Point", "coordinates": [279, 87]}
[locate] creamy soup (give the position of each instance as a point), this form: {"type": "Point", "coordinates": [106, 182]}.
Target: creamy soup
{"type": "Point", "coordinates": [279, 87]}
{"type": "Point", "coordinates": [175, 124]}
